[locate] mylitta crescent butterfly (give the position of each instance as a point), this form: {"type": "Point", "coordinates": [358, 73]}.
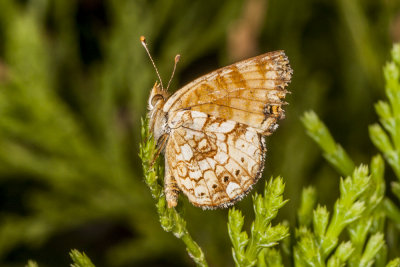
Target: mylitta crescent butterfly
{"type": "Point", "coordinates": [212, 131]}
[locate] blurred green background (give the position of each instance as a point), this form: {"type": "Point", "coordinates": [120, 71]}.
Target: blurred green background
{"type": "Point", "coordinates": [74, 82]}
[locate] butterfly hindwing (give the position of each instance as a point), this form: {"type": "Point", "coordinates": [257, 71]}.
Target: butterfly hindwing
{"type": "Point", "coordinates": [214, 161]}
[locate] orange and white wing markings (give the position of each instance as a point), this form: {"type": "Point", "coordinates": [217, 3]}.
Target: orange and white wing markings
{"type": "Point", "coordinates": [250, 92]}
{"type": "Point", "coordinates": [214, 161]}
{"type": "Point", "coordinates": [213, 129]}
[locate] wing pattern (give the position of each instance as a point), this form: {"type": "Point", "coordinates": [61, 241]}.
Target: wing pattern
{"type": "Point", "coordinates": [216, 127]}
{"type": "Point", "coordinates": [214, 161]}
{"type": "Point", "coordinates": [250, 92]}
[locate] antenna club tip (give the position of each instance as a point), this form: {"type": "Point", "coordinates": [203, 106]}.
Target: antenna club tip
{"type": "Point", "coordinates": [177, 58]}
{"type": "Point", "coordinates": [142, 39]}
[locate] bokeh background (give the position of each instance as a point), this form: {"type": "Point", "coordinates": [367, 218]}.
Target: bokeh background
{"type": "Point", "coordinates": [74, 82]}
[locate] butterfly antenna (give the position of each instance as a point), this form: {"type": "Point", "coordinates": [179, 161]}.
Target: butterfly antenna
{"type": "Point", "coordinates": [177, 57]}
{"type": "Point", "coordinates": [143, 41]}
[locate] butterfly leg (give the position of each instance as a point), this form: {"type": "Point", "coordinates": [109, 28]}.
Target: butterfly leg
{"type": "Point", "coordinates": [170, 187]}
{"type": "Point", "coordinates": [160, 147]}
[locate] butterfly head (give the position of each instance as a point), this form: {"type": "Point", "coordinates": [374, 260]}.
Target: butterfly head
{"type": "Point", "coordinates": [157, 98]}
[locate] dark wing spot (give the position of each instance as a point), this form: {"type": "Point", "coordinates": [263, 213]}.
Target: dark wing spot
{"type": "Point", "coordinates": [214, 186]}
{"type": "Point", "coordinates": [242, 159]}
{"type": "Point", "coordinates": [202, 194]}
{"type": "Point", "coordinates": [237, 172]}
{"type": "Point", "coordinates": [226, 179]}
{"type": "Point", "coordinates": [267, 109]}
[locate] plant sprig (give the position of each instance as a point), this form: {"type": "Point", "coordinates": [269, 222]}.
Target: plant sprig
{"type": "Point", "coordinates": [388, 142]}
{"type": "Point", "coordinates": [249, 251]}
{"type": "Point", "coordinates": [365, 229]}
{"type": "Point", "coordinates": [359, 208]}
{"type": "Point", "coordinates": [314, 247]}
{"type": "Point", "coordinates": [80, 259]}
{"type": "Point", "coordinates": [332, 151]}
{"type": "Point", "coordinates": [170, 219]}
{"type": "Point", "coordinates": [386, 135]}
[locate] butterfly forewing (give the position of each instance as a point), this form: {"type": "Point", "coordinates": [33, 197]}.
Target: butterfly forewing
{"type": "Point", "coordinates": [240, 92]}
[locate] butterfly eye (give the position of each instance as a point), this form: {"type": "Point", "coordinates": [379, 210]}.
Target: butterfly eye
{"type": "Point", "coordinates": [155, 99]}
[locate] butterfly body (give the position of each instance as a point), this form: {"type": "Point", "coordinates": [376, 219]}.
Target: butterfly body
{"type": "Point", "coordinates": [212, 130]}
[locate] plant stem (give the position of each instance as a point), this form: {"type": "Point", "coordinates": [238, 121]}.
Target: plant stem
{"type": "Point", "coordinates": [170, 219]}
{"type": "Point", "coordinates": [194, 250]}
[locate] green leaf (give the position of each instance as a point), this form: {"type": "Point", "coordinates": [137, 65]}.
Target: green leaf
{"type": "Point", "coordinates": [377, 175]}
{"type": "Point", "coordinates": [246, 251]}
{"type": "Point", "coordinates": [342, 254]}
{"type": "Point", "coordinates": [380, 139]}
{"type": "Point", "coordinates": [80, 259]}
{"type": "Point", "coordinates": [396, 54]}
{"type": "Point", "coordinates": [375, 243]}
{"type": "Point", "coordinates": [307, 204]}
{"type": "Point", "coordinates": [238, 238]}
{"type": "Point", "coordinates": [344, 251]}
{"type": "Point", "coordinates": [272, 257]}
{"type": "Point", "coordinates": [396, 189]}
{"type": "Point", "coordinates": [392, 211]}
{"type": "Point", "coordinates": [308, 248]}
{"type": "Point", "coordinates": [320, 222]}
{"type": "Point", "coordinates": [394, 263]}
{"type": "Point", "coordinates": [333, 152]}
{"type": "Point", "coordinates": [31, 263]}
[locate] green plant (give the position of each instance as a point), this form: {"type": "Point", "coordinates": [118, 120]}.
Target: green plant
{"type": "Point", "coordinates": [365, 210]}
{"type": "Point", "coordinates": [246, 252]}
{"type": "Point", "coordinates": [352, 235]}
{"type": "Point", "coordinates": [354, 211]}
{"type": "Point", "coordinates": [69, 115]}
{"type": "Point", "coordinates": [387, 137]}
{"type": "Point", "coordinates": [171, 219]}
{"type": "Point", "coordinates": [79, 260]}
{"type": "Point", "coordinates": [251, 251]}
{"type": "Point", "coordinates": [359, 211]}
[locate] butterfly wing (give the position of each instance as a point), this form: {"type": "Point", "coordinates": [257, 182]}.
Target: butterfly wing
{"type": "Point", "coordinates": [214, 161]}
{"type": "Point", "coordinates": [250, 92]}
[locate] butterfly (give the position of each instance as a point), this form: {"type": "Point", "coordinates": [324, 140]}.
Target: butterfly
{"type": "Point", "coordinates": [212, 131]}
